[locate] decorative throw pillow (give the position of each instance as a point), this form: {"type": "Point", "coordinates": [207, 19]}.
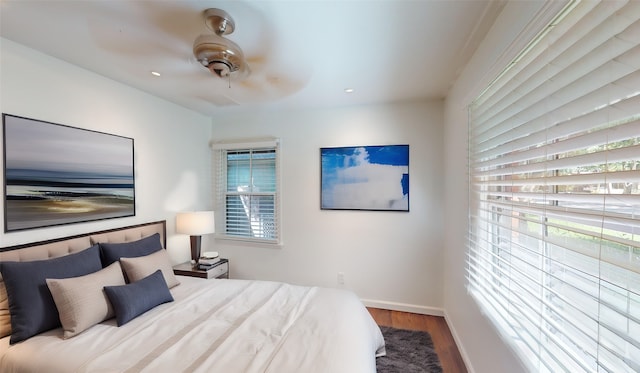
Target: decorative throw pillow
{"type": "Point", "coordinates": [136, 298]}
{"type": "Point", "coordinates": [81, 301]}
{"type": "Point", "coordinates": [5, 315]}
{"type": "Point", "coordinates": [30, 302]}
{"type": "Point", "coordinates": [142, 266]}
{"type": "Point", "coordinates": [112, 252]}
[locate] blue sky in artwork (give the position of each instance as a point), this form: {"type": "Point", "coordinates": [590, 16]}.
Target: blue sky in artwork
{"type": "Point", "coordinates": [367, 177]}
{"type": "Point", "coordinates": [40, 150]}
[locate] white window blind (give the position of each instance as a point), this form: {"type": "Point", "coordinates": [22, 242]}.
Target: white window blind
{"type": "Point", "coordinates": [247, 185]}
{"type": "Point", "coordinates": [554, 161]}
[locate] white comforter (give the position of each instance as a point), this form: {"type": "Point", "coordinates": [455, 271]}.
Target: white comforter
{"type": "Point", "coordinates": [218, 326]}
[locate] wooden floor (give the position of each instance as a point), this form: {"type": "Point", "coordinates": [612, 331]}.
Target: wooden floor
{"type": "Point", "coordinates": [443, 342]}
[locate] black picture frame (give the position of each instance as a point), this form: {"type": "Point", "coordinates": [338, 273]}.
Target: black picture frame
{"type": "Point", "coordinates": [56, 174]}
{"type": "Point", "coordinates": [373, 178]}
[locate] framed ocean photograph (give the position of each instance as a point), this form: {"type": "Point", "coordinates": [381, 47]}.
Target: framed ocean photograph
{"type": "Point", "coordinates": [56, 174]}
{"type": "Point", "coordinates": [365, 178]}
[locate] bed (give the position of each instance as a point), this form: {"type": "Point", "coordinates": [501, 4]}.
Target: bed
{"type": "Point", "coordinates": [120, 318]}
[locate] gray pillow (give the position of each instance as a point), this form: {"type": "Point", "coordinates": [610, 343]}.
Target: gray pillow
{"type": "Point", "coordinates": [136, 298]}
{"type": "Point", "coordinates": [81, 301]}
{"type": "Point", "coordinates": [112, 252]}
{"type": "Point", "coordinates": [142, 266]}
{"type": "Point", "coordinates": [31, 305]}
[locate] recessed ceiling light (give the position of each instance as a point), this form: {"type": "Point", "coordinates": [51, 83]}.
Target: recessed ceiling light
{"type": "Point", "coordinates": [348, 90]}
{"type": "Point", "coordinates": [155, 73]}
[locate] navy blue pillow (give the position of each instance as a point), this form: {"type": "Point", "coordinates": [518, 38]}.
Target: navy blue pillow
{"type": "Point", "coordinates": [136, 298]}
{"type": "Point", "coordinates": [112, 252]}
{"type": "Point", "coordinates": [31, 305]}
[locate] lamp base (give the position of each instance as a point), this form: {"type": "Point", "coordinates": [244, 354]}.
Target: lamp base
{"type": "Point", "coordinates": [196, 242]}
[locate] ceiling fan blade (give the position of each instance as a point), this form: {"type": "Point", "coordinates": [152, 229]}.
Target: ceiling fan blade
{"type": "Point", "coordinates": [219, 100]}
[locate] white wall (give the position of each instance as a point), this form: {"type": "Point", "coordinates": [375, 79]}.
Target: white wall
{"type": "Point", "coordinates": [480, 345]}
{"type": "Point", "coordinates": [172, 162]}
{"type": "Point", "coordinates": [390, 259]}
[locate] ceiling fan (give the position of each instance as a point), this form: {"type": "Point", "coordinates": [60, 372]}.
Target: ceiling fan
{"type": "Point", "coordinates": [178, 39]}
{"type": "Point", "coordinates": [221, 56]}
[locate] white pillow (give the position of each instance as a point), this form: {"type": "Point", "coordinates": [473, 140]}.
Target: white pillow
{"type": "Point", "coordinates": [142, 266]}
{"type": "Point", "coordinates": [81, 301]}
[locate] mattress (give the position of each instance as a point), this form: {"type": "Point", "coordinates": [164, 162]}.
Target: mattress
{"type": "Point", "coordinates": [217, 326]}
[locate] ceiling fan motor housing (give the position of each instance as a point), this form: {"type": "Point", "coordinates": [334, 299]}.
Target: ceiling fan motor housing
{"type": "Point", "coordinates": [221, 56]}
{"type": "Point", "coordinates": [213, 51]}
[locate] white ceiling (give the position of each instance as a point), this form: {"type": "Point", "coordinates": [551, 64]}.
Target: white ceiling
{"type": "Point", "coordinates": [302, 54]}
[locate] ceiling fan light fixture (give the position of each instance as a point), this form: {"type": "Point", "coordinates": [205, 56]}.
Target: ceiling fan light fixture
{"type": "Point", "coordinates": [221, 69]}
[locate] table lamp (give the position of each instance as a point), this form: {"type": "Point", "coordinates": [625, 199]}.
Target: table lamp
{"type": "Point", "coordinates": [195, 224]}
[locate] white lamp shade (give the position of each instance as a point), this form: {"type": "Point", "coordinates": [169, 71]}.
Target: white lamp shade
{"type": "Point", "coordinates": [195, 223]}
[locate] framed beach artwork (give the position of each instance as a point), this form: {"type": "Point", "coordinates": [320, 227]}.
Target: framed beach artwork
{"type": "Point", "coordinates": [365, 178]}
{"type": "Point", "coordinates": [56, 174]}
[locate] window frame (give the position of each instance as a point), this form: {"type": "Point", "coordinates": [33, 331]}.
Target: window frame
{"type": "Point", "coordinates": [219, 155]}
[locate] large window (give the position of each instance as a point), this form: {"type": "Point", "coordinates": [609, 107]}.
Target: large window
{"type": "Point", "coordinates": [554, 239]}
{"type": "Point", "coordinates": [247, 190]}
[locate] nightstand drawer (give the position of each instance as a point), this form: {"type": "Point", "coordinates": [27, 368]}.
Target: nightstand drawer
{"type": "Point", "coordinates": [221, 270]}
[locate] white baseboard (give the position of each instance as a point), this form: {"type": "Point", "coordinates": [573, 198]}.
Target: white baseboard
{"type": "Point", "coordinates": [404, 307]}
{"type": "Point", "coordinates": [458, 342]}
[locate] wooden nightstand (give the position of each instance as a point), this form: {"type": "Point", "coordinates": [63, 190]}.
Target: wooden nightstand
{"type": "Point", "coordinates": [221, 270]}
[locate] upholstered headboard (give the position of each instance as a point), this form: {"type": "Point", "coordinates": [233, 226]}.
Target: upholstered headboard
{"type": "Point", "coordinates": [67, 245]}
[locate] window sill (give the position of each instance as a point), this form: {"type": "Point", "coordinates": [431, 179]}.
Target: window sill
{"type": "Point", "coordinates": [246, 241]}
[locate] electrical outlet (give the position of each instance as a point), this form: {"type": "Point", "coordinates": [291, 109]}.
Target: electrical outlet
{"type": "Point", "coordinates": [341, 278]}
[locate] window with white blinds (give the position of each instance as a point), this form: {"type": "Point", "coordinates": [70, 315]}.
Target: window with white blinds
{"type": "Point", "coordinates": [248, 191]}
{"type": "Point", "coordinates": [554, 221]}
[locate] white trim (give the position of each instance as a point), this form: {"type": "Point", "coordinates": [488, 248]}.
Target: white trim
{"type": "Point", "coordinates": [459, 344]}
{"type": "Point", "coordinates": [266, 142]}
{"type": "Point", "coordinates": [403, 307]}
{"type": "Point", "coordinates": [219, 149]}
